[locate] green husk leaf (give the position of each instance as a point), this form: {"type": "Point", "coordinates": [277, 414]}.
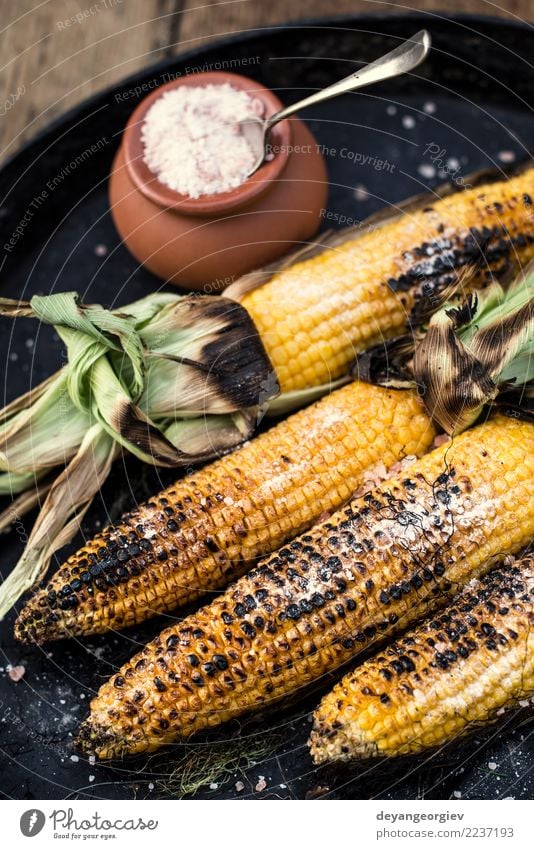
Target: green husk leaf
{"type": "Point", "coordinates": [27, 399]}
{"type": "Point", "coordinates": [12, 483]}
{"type": "Point", "coordinates": [505, 334]}
{"type": "Point", "coordinates": [125, 421]}
{"type": "Point", "coordinates": [66, 503]}
{"type": "Point", "coordinates": [43, 434]}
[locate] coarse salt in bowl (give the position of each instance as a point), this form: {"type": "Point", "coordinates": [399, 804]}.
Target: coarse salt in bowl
{"type": "Point", "coordinates": [192, 140]}
{"type": "Point", "coordinates": [179, 194]}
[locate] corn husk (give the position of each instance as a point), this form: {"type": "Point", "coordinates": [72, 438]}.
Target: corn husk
{"type": "Point", "coordinates": [475, 352]}
{"type": "Point", "coordinates": [478, 354]}
{"type": "Point", "coordinates": [173, 380]}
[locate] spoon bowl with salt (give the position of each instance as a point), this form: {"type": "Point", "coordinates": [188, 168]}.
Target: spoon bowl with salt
{"type": "Point", "coordinates": [402, 59]}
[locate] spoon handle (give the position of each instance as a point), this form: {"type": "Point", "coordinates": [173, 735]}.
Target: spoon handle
{"type": "Point", "coordinates": [403, 58]}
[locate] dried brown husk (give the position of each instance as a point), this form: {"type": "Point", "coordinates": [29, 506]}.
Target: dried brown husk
{"type": "Point", "coordinates": [476, 352]}
{"type": "Point", "coordinates": [473, 353]}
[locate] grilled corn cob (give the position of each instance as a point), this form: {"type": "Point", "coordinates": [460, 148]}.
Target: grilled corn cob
{"type": "Point", "coordinates": [311, 318]}
{"type": "Point", "coordinates": [314, 315]}
{"type": "Point", "coordinates": [439, 681]}
{"type": "Point", "coordinates": [380, 563]}
{"type": "Point", "coordinates": [201, 533]}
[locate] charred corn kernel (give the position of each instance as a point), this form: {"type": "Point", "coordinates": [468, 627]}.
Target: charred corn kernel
{"type": "Point", "coordinates": [455, 672]}
{"type": "Point", "coordinates": [351, 296]}
{"type": "Point", "coordinates": [380, 563]}
{"type": "Point", "coordinates": [205, 530]}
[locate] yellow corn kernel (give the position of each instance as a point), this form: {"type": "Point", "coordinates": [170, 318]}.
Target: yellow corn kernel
{"type": "Point", "coordinates": [315, 315]}
{"type": "Point", "coordinates": [379, 564]}
{"type": "Point", "coordinates": [440, 680]}
{"type": "Point", "coordinates": [204, 531]}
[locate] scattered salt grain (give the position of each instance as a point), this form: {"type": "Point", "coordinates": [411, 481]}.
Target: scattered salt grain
{"type": "Point", "coordinates": [372, 477]}
{"type": "Point", "coordinates": [29, 343]}
{"type": "Point", "coordinates": [426, 170]}
{"type": "Point", "coordinates": [360, 192]}
{"type": "Point", "coordinates": [92, 759]}
{"type": "Point", "coordinates": [401, 465]}
{"type": "Point", "coordinates": [452, 163]}
{"type": "Point", "coordinates": [239, 786]}
{"type": "Point", "coordinates": [13, 356]}
{"type": "Point", "coordinates": [97, 651]}
{"type": "Point", "coordinates": [91, 779]}
{"type": "Point", "coordinates": [16, 673]}
{"type": "Point", "coordinates": [100, 250]}
{"type": "Point", "coordinates": [192, 140]}
{"type": "Point", "coordinates": [391, 110]}
{"type": "Point", "coordinates": [408, 122]}
{"type": "Point", "coordinates": [261, 785]}
{"type": "Point", "coordinates": [506, 156]}
{"type": "Point", "coordinates": [429, 107]}
{"type": "Point", "coordinates": [457, 794]}
{"type": "Point", "coordinates": [74, 759]}
{"type": "Point", "coordinates": [151, 786]}
{"type": "Point", "coordinates": [492, 765]}
{"type": "Point", "coordinates": [214, 785]}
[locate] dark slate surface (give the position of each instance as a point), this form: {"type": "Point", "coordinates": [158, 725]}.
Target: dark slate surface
{"type": "Point", "coordinates": [473, 101]}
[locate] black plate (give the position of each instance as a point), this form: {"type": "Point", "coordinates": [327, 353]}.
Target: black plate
{"type": "Point", "coordinates": [471, 102]}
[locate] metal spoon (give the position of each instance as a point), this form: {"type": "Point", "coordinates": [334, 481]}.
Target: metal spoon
{"type": "Point", "coordinates": [403, 58]}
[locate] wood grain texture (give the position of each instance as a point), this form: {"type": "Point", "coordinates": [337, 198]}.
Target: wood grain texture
{"type": "Point", "coordinates": [54, 53]}
{"type": "Point", "coordinates": [50, 60]}
{"type": "Point", "coordinates": [201, 22]}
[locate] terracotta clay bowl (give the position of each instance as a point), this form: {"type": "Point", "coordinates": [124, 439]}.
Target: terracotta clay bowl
{"type": "Point", "coordinates": [208, 242]}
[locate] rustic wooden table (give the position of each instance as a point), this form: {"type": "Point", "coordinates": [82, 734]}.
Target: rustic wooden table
{"type": "Point", "coordinates": [57, 52]}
